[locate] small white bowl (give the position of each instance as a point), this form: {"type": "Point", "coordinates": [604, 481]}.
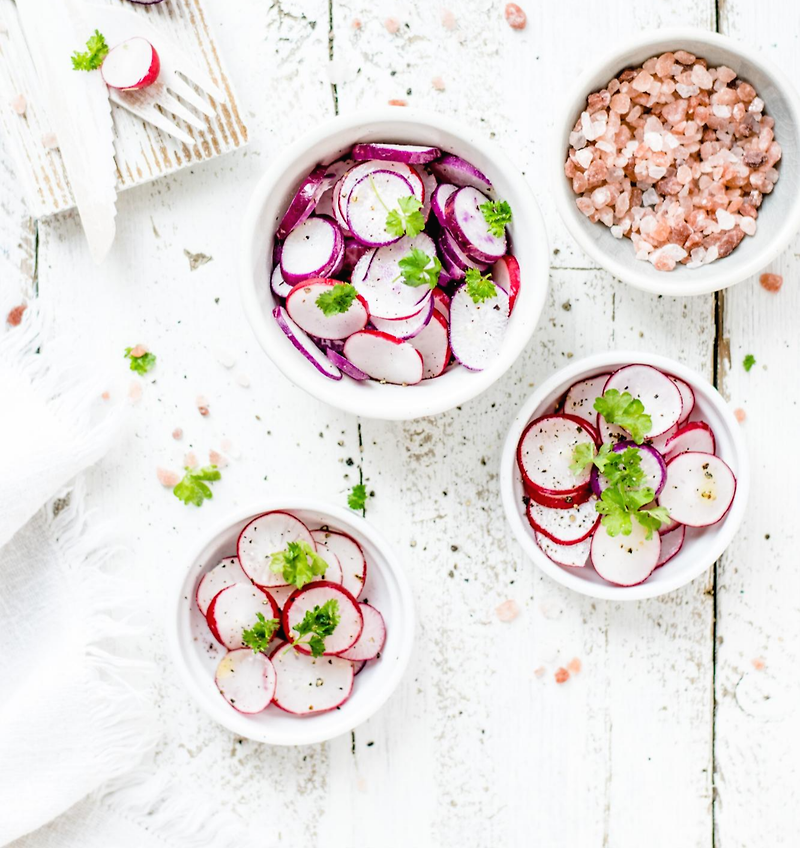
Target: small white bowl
{"type": "Point", "coordinates": [702, 546]}
{"type": "Point", "coordinates": [326, 143]}
{"type": "Point", "coordinates": [196, 653]}
{"type": "Point", "coordinates": [779, 216]}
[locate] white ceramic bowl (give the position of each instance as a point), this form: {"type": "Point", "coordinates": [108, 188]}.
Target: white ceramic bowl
{"type": "Point", "coordinates": [779, 215]}
{"type": "Point", "coordinates": [702, 546]}
{"type": "Point", "coordinates": [326, 143]}
{"type": "Point", "coordinates": [196, 653]}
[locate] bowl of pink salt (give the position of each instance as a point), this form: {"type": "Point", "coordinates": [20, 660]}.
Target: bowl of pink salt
{"type": "Point", "coordinates": [675, 162]}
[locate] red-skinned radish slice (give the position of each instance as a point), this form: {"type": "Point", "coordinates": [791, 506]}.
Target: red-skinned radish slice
{"type": "Point", "coordinates": [429, 185]}
{"type": "Point", "coordinates": [246, 680]}
{"type": "Point", "coordinates": [308, 685]}
{"type": "Point", "coordinates": [687, 396]}
{"type": "Point", "coordinates": [433, 345]}
{"type": "Point", "coordinates": [569, 501]}
{"type": "Point", "coordinates": [301, 341]}
{"type": "Point", "coordinates": [625, 560]}
{"type": "Point", "coordinates": [580, 397]}
{"type": "Point", "coordinates": [351, 621]}
{"type": "Point", "coordinates": [700, 489]}
{"type": "Point", "coordinates": [545, 453]}
{"type": "Point", "coordinates": [650, 461]}
{"type": "Point", "coordinates": [301, 304]}
{"type": "Point", "coordinates": [281, 594]}
{"type": "Point", "coordinates": [671, 543]}
{"type": "Point", "coordinates": [459, 172]}
{"type": "Point", "coordinates": [696, 436]}
{"type": "Point", "coordinates": [312, 249]}
{"type": "Point", "coordinates": [384, 357]}
{"type": "Point", "coordinates": [439, 198]}
{"type": "Point", "coordinates": [279, 286]}
{"type": "Point", "coordinates": [346, 365]}
{"type": "Point", "coordinates": [372, 639]}
{"type": "Point", "coordinates": [411, 154]}
{"type": "Point", "coordinates": [477, 330]}
{"type": "Point", "coordinates": [304, 201]}
{"type": "Point", "coordinates": [131, 65]}
{"type": "Point", "coordinates": [659, 394]}
{"type": "Point", "coordinates": [406, 328]}
{"type": "Point", "coordinates": [570, 556]}
{"type": "Point", "coordinates": [333, 573]}
{"type": "Point", "coordinates": [350, 554]}
{"type": "Point", "coordinates": [469, 227]}
{"type": "Point", "coordinates": [659, 442]}
{"type": "Point", "coordinates": [505, 273]}
{"type": "Point", "coordinates": [564, 526]}
{"type": "Point", "coordinates": [454, 259]}
{"type": "Point", "coordinates": [262, 537]}
{"type": "Point", "coordinates": [367, 206]}
{"type": "Point", "coordinates": [441, 303]}
{"type": "Point", "coordinates": [236, 609]}
{"type": "Point", "coordinates": [225, 573]}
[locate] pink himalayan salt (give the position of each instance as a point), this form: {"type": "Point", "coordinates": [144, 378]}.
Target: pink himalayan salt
{"type": "Point", "coordinates": [392, 25]}
{"type": "Point", "coordinates": [515, 16]}
{"type": "Point", "coordinates": [539, 672]}
{"type": "Point", "coordinates": [190, 460]}
{"type": "Point", "coordinates": [202, 405]}
{"type": "Point", "coordinates": [740, 415]}
{"type": "Point", "coordinates": [356, 24]}
{"type": "Point", "coordinates": [561, 675]}
{"type": "Point", "coordinates": [448, 19]}
{"type": "Point", "coordinates": [14, 317]}
{"type": "Point", "coordinates": [106, 396]}
{"type": "Point", "coordinates": [438, 83]}
{"type": "Point", "coordinates": [177, 434]}
{"type": "Point", "coordinates": [507, 611]}
{"type": "Point", "coordinates": [135, 392]}
{"type": "Point", "coordinates": [216, 458]}
{"type": "Point", "coordinates": [759, 663]}
{"type": "Point", "coordinates": [19, 104]}
{"type": "Point", "coordinates": [398, 102]}
{"type": "Point", "coordinates": [168, 479]}
{"type": "Point", "coordinates": [50, 140]}
{"type": "Point", "coordinates": [137, 351]}
{"type": "Point", "coordinates": [771, 282]}
{"type": "Point", "coordinates": [574, 666]}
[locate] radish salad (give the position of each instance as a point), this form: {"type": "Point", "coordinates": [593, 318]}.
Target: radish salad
{"type": "Point", "coordinates": [286, 608]}
{"type": "Point", "coordinates": [620, 471]}
{"type": "Point", "coordinates": [393, 263]}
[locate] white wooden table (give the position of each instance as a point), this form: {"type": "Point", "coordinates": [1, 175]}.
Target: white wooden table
{"type": "Point", "coordinates": [681, 728]}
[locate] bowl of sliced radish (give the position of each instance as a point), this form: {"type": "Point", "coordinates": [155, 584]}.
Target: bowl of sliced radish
{"type": "Point", "coordinates": [292, 623]}
{"type": "Point", "coordinates": [625, 476]}
{"type": "Point", "coordinates": [384, 268]}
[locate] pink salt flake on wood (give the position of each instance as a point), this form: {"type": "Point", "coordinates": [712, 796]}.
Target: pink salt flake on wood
{"type": "Point", "coordinates": [574, 666]}
{"type": "Point", "coordinates": [507, 611]}
{"type": "Point", "coordinates": [168, 479]}
{"type": "Point", "coordinates": [515, 16]}
{"type": "Point", "coordinates": [561, 675]}
{"type": "Point", "coordinates": [177, 434]}
{"type": "Point", "coordinates": [448, 19]}
{"type": "Point", "coordinates": [14, 317]}
{"type": "Point", "coordinates": [216, 458]}
{"type": "Point", "coordinates": [19, 104]}
{"type": "Point", "coordinates": [438, 83]}
{"type": "Point", "coordinates": [106, 396]}
{"type": "Point", "coordinates": [190, 460]}
{"type": "Point", "coordinates": [50, 141]}
{"type": "Point", "coordinates": [539, 672]}
{"type": "Point", "coordinates": [137, 351]}
{"type": "Point", "coordinates": [135, 392]}
{"type": "Point", "coordinates": [202, 405]}
{"type": "Point", "coordinates": [759, 663]}
{"type": "Point", "coordinates": [392, 25]}
{"type": "Point", "coordinates": [740, 415]}
{"type": "Point", "coordinates": [771, 282]}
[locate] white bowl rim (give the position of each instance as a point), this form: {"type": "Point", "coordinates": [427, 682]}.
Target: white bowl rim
{"type": "Point", "coordinates": [563, 379]}
{"type": "Point", "coordinates": [728, 274]}
{"type": "Point", "coordinates": [407, 406]}
{"type": "Point", "coordinates": [348, 718]}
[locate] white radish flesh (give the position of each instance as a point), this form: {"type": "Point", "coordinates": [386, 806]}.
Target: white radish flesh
{"type": "Point", "coordinates": [367, 206]}
{"type": "Point", "coordinates": [571, 556]}
{"type": "Point", "coordinates": [225, 573]}
{"type": "Point", "coordinates": [131, 65]}
{"type": "Point", "coordinates": [687, 396]}
{"type": "Point", "coordinates": [505, 273]}
{"type": "Point", "coordinates": [351, 621]}
{"type": "Point", "coordinates": [301, 341]}
{"type": "Point", "coordinates": [312, 249]}
{"type": "Point", "coordinates": [477, 330]}
{"type": "Point", "coordinates": [361, 169]}
{"type": "Point", "coordinates": [671, 543]}
{"type": "Point", "coordinates": [454, 169]}
{"type": "Point", "coordinates": [307, 685]}
{"type": "Point", "coordinates": [302, 306]}
{"type": "Point", "coordinates": [433, 345]}
{"type": "Point", "coordinates": [246, 680]}
{"type": "Point", "coordinates": [262, 537]}
{"type": "Point", "coordinates": [384, 357]}
{"type": "Point", "coordinates": [279, 286]}
{"type": "Point", "coordinates": [700, 489]}
{"type": "Point", "coordinates": [625, 560]}
{"type": "Point", "coordinates": [440, 195]}
{"type": "Point", "coordinates": [546, 452]}
{"type": "Point", "coordinates": [236, 609]}
{"type": "Point", "coordinates": [350, 556]}
{"type": "Point", "coordinates": [564, 526]}
{"type": "Point", "coordinates": [406, 328]}
{"type": "Point", "coordinates": [467, 223]}
{"type": "Point", "coordinates": [373, 636]}
{"type": "Point", "coordinates": [580, 397]}
{"type": "Point", "coordinates": [658, 393]}
{"type": "Point", "coordinates": [696, 436]}
{"type": "Point", "coordinates": [429, 185]}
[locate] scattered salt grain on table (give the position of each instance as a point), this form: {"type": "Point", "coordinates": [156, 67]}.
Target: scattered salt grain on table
{"type": "Point", "coordinates": [438, 83]}
{"type": "Point", "coordinates": [759, 664]}
{"type": "Point", "coordinates": [225, 357]}
{"type": "Point", "coordinates": [507, 611]}
{"type": "Point", "coordinates": [230, 449]}
{"type": "Point", "coordinates": [202, 405]}
{"type": "Point", "coordinates": [135, 392]}
{"type": "Point", "coordinates": [50, 141]}
{"type": "Point", "coordinates": [216, 458]}
{"type": "Point", "coordinates": [448, 19]}
{"type": "Point", "coordinates": [356, 24]}
{"type": "Point", "coordinates": [168, 479]}
{"type": "Point", "coordinates": [740, 415]}
{"type": "Point", "coordinates": [14, 317]}
{"type": "Point", "coordinates": [137, 351]}
{"type": "Point", "coordinates": [243, 380]}
{"type": "Point", "coordinates": [561, 675]}
{"type": "Point", "coordinates": [515, 16]}
{"type": "Point", "coordinates": [190, 460]}
{"type": "Point", "coordinates": [177, 434]}
{"type": "Point", "coordinates": [106, 396]}
{"type": "Point", "coordinates": [771, 282]}
{"type": "Point", "coordinates": [539, 672]}
{"type": "Point", "coordinates": [398, 102]}
{"type": "Point", "coordinates": [392, 25]}
{"type": "Point", "coordinates": [574, 666]}
{"type": "Point", "coordinates": [19, 104]}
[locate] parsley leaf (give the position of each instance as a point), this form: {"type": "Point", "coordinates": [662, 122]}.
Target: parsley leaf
{"type": "Point", "coordinates": [143, 363]}
{"type": "Point", "coordinates": [298, 564]}
{"type": "Point", "coordinates": [193, 489]}
{"type": "Point", "coordinates": [419, 269]}
{"type": "Point", "coordinates": [337, 299]}
{"type": "Point", "coordinates": [652, 519]}
{"type": "Point", "coordinates": [748, 362]}
{"type": "Point", "coordinates": [317, 624]}
{"type": "Point", "coordinates": [627, 412]}
{"type": "Point", "coordinates": [96, 51]}
{"type": "Point", "coordinates": [357, 499]}
{"type": "Point", "coordinates": [480, 287]}
{"type": "Point", "coordinates": [497, 214]}
{"type": "Point", "coordinates": [408, 220]}
{"type": "Point", "coordinates": [260, 634]}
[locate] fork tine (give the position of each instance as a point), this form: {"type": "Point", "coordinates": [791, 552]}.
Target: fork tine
{"type": "Point", "coordinates": [201, 79]}
{"type": "Point", "coordinates": [153, 116]}
{"type": "Point", "coordinates": [178, 86]}
{"type": "Point", "coordinates": [172, 104]}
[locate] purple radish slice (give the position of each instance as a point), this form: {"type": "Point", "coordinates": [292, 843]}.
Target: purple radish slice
{"type": "Point", "coordinates": [433, 345]}
{"type": "Point", "coordinates": [459, 172]}
{"type": "Point", "coordinates": [353, 251]}
{"type": "Point", "coordinates": [477, 329]}
{"type": "Point", "coordinates": [452, 250]}
{"type": "Point", "coordinates": [411, 154]}
{"type": "Point", "coordinates": [304, 202]}
{"type": "Point", "coordinates": [334, 170]}
{"type": "Point", "coordinates": [625, 560]}
{"type": "Point", "coordinates": [262, 537]}
{"type": "Point", "coordinates": [279, 286]}
{"type": "Point", "coordinates": [324, 207]}
{"type": "Point", "coordinates": [384, 357]}
{"type": "Point", "coordinates": [570, 556]}
{"type": "Point", "coordinates": [301, 304]}
{"type": "Point", "coordinates": [301, 341]}
{"type": "Point", "coordinates": [659, 394]}
{"type": "Point", "coordinates": [439, 198]}
{"type": "Point", "coordinates": [339, 209]}
{"type": "Point", "coordinates": [580, 397]}
{"type": "Point", "coordinates": [225, 573]}
{"type": "Point", "coordinates": [308, 685]}
{"type": "Point", "coordinates": [350, 554]}
{"type": "Point", "coordinates": [372, 639]}
{"type": "Point", "coordinates": [574, 498]}
{"type": "Point", "coordinates": [235, 609]}
{"type": "Point", "coordinates": [671, 543]}
{"type": "Point", "coordinates": [349, 179]}
{"type": "Point", "coordinates": [429, 185]}
{"type": "Point", "coordinates": [406, 328]}
{"type": "Point", "coordinates": [367, 206]}
{"type": "Point", "coordinates": [351, 621]}
{"type": "Point", "coordinates": [313, 249]}
{"type": "Point", "coordinates": [131, 65]}
{"type": "Point", "coordinates": [346, 365]}
{"type": "Point", "coordinates": [696, 436]}
{"type": "Point", "coordinates": [246, 680]}
{"type": "Point", "coordinates": [441, 302]}
{"type": "Point", "coordinates": [650, 461]}
{"type": "Point", "coordinates": [700, 489]}
{"type": "Point", "coordinates": [467, 224]}
{"type": "Point", "coordinates": [564, 526]}
{"type": "Point", "coordinates": [687, 396]}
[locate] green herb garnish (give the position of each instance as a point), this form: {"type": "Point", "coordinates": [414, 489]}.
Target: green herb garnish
{"type": "Point", "coordinates": [480, 287]}
{"type": "Point", "coordinates": [407, 220]}
{"type": "Point", "coordinates": [336, 299]}
{"type": "Point", "coordinates": [193, 488]}
{"type": "Point", "coordinates": [141, 364]}
{"type": "Point", "coordinates": [317, 624]}
{"type": "Point", "coordinates": [748, 362]}
{"type": "Point", "coordinates": [625, 411]}
{"type": "Point", "coordinates": [357, 499]}
{"type": "Point", "coordinates": [497, 214]}
{"type": "Point", "coordinates": [96, 51]}
{"type": "Point", "coordinates": [419, 269]}
{"type": "Point", "coordinates": [299, 564]}
{"type": "Point", "coordinates": [259, 635]}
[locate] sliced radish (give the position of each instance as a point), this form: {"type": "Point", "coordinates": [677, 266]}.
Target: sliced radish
{"type": "Point", "coordinates": [441, 302]}
{"type": "Point", "coordinates": [411, 154]}
{"type": "Point", "coordinates": [659, 442]}
{"type": "Point", "coordinates": [303, 309]}
{"type": "Point", "coordinates": [433, 345]}
{"type": "Point", "coordinates": [235, 609]}
{"type": "Point", "coordinates": [350, 554]}
{"type": "Point", "coordinates": [279, 286]}
{"type": "Point", "coordinates": [346, 365]}
{"type": "Point", "coordinates": [304, 201]}
{"type": "Point", "coordinates": [308, 685]}
{"type": "Point", "coordinates": [312, 249]}
{"type": "Point", "coordinates": [372, 639]}
{"type": "Point", "coordinates": [477, 329]}
{"type": "Point", "coordinates": [454, 260]}
{"type": "Point", "coordinates": [281, 594]}
{"type": "Point", "coordinates": [301, 341]}
{"type": "Point", "coordinates": [131, 65]}
{"type": "Point", "coordinates": [366, 207]}
{"type": "Point", "coordinates": [467, 224]}
{"type": "Point", "coordinates": [262, 537]}
{"type": "Point", "coordinates": [429, 185]}
{"type": "Point", "coordinates": [580, 397]}
{"type": "Point", "coordinates": [439, 198]}
{"type": "Point", "coordinates": [700, 489]}
{"type": "Point", "coordinates": [659, 394]}
{"type": "Point", "coordinates": [353, 251]}
{"type": "Point", "coordinates": [459, 172]}
{"type": "Point", "coordinates": [696, 436]}
{"type": "Point", "coordinates": [625, 560]}
{"type": "Point", "coordinates": [225, 573]}
{"type": "Point", "coordinates": [546, 451]}
{"type": "Point", "coordinates": [406, 328]}
{"type": "Point", "coordinates": [384, 357]}
{"type": "Point", "coordinates": [571, 556]}
{"type": "Point", "coordinates": [687, 396]}
{"type": "Point", "coordinates": [505, 273]}
{"type": "Point", "coordinates": [351, 621]}
{"type": "Point", "coordinates": [576, 498]}
{"type": "Point", "coordinates": [361, 169]}
{"type": "Point", "coordinates": [650, 461]}
{"type": "Point", "coordinates": [246, 680]}
{"type": "Point", "coordinates": [333, 573]}
{"type": "Point", "coordinates": [564, 526]}
{"type": "Point", "coordinates": [358, 667]}
{"type": "Point", "coordinates": [671, 543]}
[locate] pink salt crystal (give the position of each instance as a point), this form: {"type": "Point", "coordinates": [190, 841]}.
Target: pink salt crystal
{"type": "Point", "coordinates": [106, 396]}
{"type": "Point", "coordinates": [14, 317]}
{"type": "Point", "coordinates": [202, 405]}
{"type": "Point", "coordinates": [448, 19]}
{"type": "Point", "coordinates": [135, 392]}
{"type": "Point", "coordinates": [600, 197]}
{"type": "Point", "coordinates": [190, 460]}
{"type": "Point", "coordinates": [216, 458]}
{"type": "Point", "coordinates": [49, 140]}
{"type": "Point", "coordinates": [771, 282]}
{"type": "Point", "coordinates": [392, 25]}
{"type": "Point", "coordinates": [684, 57]}
{"type": "Point", "coordinates": [579, 183]}
{"type": "Point", "coordinates": [642, 81]}
{"type": "Point", "coordinates": [438, 83]}
{"type": "Point", "coordinates": [515, 16]}
{"type": "Point", "coordinates": [748, 225]}
{"type": "Point", "coordinates": [397, 102]}
{"type": "Point", "coordinates": [664, 64]}
{"type": "Point", "coordinates": [620, 103]}
{"type": "Point", "coordinates": [675, 112]}
{"type": "Point", "coordinates": [701, 77]}
{"type": "Point", "coordinates": [539, 672]}
{"type": "Point", "coordinates": [740, 415]}
{"type": "Point", "coordinates": [229, 448]}
{"type": "Point", "coordinates": [168, 479]}
{"type": "Point", "coordinates": [507, 611]}
{"type": "Point", "coordinates": [725, 74]}
{"type": "Point", "coordinates": [759, 663]}
{"type": "Point", "coordinates": [19, 104]}
{"type": "Point", "coordinates": [356, 24]}
{"type": "Point", "coordinates": [746, 92]}
{"type": "Point", "coordinates": [177, 434]}
{"type": "Point", "coordinates": [574, 666]}
{"type": "Point", "coordinates": [137, 351]}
